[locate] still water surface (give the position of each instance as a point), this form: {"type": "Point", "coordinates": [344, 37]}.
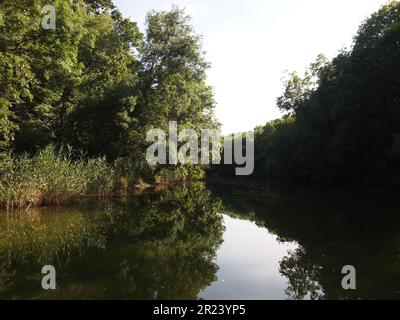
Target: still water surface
{"type": "Point", "coordinates": [248, 263]}
{"type": "Point", "coordinates": [208, 242]}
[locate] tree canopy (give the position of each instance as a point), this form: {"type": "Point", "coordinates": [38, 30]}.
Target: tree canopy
{"type": "Point", "coordinates": [96, 82]}
{"type": "Point", "coordinates": [342, 118]}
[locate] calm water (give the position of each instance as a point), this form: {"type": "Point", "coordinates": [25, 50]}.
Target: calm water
{"type": "Point", "coordinates": [248, 263]}
{"type": "Point", "coordinates": [208, 242]}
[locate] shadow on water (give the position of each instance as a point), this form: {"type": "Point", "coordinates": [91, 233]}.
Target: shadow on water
{"type": "Point", "coordinates": [333, 229]}
{"type": "Point", "coordinates": [165, 245]}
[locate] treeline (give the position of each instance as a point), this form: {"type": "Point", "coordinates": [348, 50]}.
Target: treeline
{"type": "Point", "coordinates": [93, 87]}
{"type": "Point", "coordinates": [97, 83]}
{"type": "Point", "coordinates": [342, 117]}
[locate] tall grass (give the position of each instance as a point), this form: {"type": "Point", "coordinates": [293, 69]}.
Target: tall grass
{"type": "Point", "coordinates": [55, 177]}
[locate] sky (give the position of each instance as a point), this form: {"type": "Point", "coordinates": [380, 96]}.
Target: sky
{"type": "Point", "coordinates": [253, 44]}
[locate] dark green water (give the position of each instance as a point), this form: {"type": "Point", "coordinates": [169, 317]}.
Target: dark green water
{"type": "Point", "coordinates": [210, 242]}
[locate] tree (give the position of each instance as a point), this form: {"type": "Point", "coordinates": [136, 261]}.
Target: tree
{"type": "Point", "coordinates": [344, 114]}
{"type": "Point", "coordinates": [173, 74]}
{"type": "Point", "coordinates": [50, 75]}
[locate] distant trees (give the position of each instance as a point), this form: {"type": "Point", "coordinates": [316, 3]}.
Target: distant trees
{"type": "Point", "coordinates": [342, 121]}
{"type": "Point", "coordinates": [96, 82]}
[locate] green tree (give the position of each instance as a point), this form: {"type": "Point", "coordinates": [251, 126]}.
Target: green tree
{"type": "Point", "coordinates": [50, 75]}
{"type": "Point", "coordinates": [342, 118]}
{"type": "Point", "coordinates": [173, 74]}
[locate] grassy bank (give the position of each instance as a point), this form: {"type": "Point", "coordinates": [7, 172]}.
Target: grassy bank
{"type": "Point", "coordinates": [56, 177]}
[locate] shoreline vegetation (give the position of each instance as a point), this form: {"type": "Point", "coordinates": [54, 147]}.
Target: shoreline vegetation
{"type": "Point", "coordinates": [56, 177]}
{"type": "Point", "coordinates": [341, 117]}
{"type": "Point", "coordinates": [98, 84]}
{"type": "Point", "coordinates": [341, 122]}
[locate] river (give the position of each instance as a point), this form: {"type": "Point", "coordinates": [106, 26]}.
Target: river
{"type": "Point", "coordinates": [207, 242]}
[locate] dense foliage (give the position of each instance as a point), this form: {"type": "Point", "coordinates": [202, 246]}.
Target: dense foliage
{"type": "Point", "coordinates": [342, 118]}
{"type": "Point", "coordinates": [96, 82]}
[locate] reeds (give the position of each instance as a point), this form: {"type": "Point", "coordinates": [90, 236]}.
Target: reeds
{"type": "Point", "coordinates": [55, 177]}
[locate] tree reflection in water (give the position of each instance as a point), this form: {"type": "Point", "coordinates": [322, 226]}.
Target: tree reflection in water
{"type": "Point", "coordinates": [333, 229]}
{"type": "Point", "coordinates": [163, 245]}
{"type": "Point", "coordinates": [159, 245]}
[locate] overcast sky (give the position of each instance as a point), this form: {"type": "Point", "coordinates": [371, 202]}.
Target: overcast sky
{"type": "Point", "coordinates": [252, 43]}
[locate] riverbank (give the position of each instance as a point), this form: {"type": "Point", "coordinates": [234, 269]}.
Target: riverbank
{"type": "Point", "coordinates": [56, 177]}
{"type": "Point", "coordinates": [59, 177]}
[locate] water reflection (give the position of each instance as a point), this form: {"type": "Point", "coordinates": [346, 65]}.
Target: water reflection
{"type": "Point", "coordinates": [333, 228]}
{"type": "Point", "coordinates": [249, 263]}
{"type": "Point", "coordinates": [175, 244]}
{"type": "Point", "coordinates": [156, 246]}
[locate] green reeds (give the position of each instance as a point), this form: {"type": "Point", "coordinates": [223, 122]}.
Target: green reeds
{"type": "Point", "coordinates": [55, 177]}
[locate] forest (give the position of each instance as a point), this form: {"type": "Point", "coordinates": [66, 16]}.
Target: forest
{"type": "Point", "coordinates": [76, 103]}
{"type": "Point", "coordinates": [341, 121]}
